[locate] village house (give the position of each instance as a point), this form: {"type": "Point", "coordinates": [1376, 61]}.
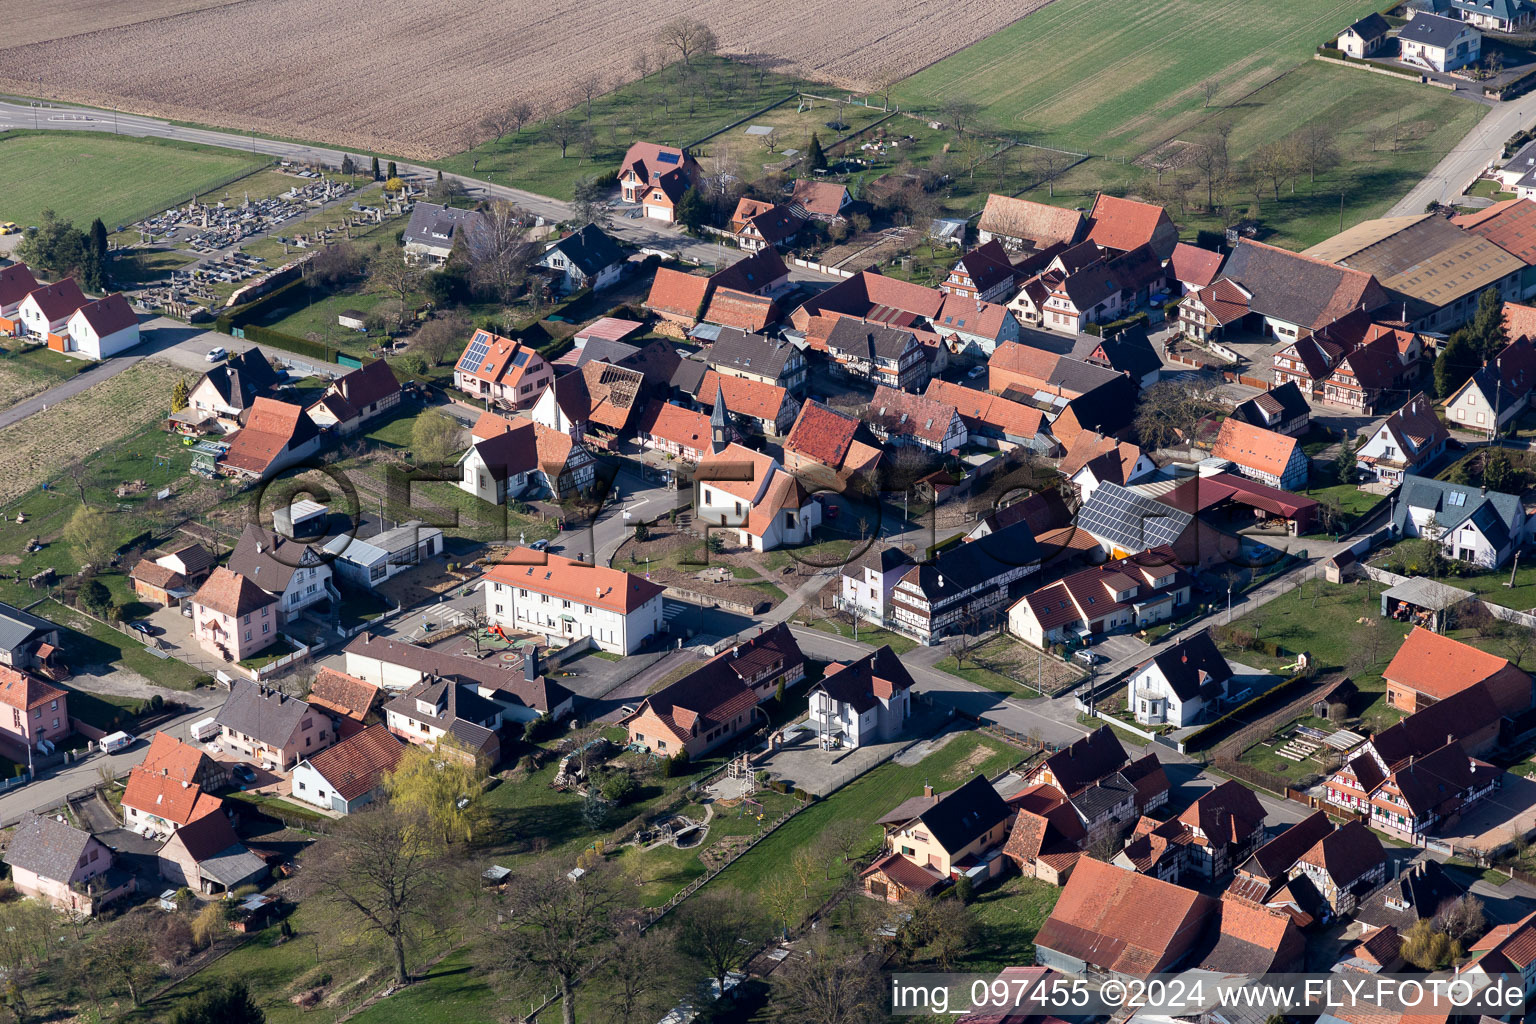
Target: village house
{"type": "Point", "coordinates": [973, 328]}
{"type": "Point", "coordinates": [1483, 528]}
{"type": "Point", "coordinates": [592, 404]}
{"type": "Point", "coordinates": [880, 354]}
{"type": "Point", "coordinates": [1420, 892]}
{"type": "Point", "coordinates": [1507, 951]}
{"type": "Point", "coordinates": [758, 225]}
{"type": "Point", "coordinates": [1430, 667]}
{"type": "Point", "coordinates": [678, 297]}
{"type": "Point", "coordinates": [347, 699]}
{"type": "Point", "coordinates": [512, 459]}
{"type": "Point", "coordinates": [501, 371]}
{"type": "Point", "coordinates": [1282, 409]}
{"type": "Point", "coordinates": [696, 714]}
{"type": "Point", "coordinates": [1128, 351]}
{"type": "Point", "coordinates": [564, 600]}
{"type": "Point", "coordinates": [1344, 865]}
{"type": "Point", "coordinates": [1263, 876]}
{"type": "Point", "coordinates": [522, 692]}
{"type": "Point", "coordinates": [1023, 225]}
{"type": "Point", "coordinates": [1210, 837]}
{"type": "Point", "coordinates": [27, 641]}
{"type": "Point", "coordinates": [434, 229]}
{"type": "Point", "coordinates": [822, 445]}
{"type": "Point", "coordinates": [901, 419]}
{"type": "Point", "coordinates": [1124, 521]}
{"type": "Point", "coordinates": [448, 717]}
{"type": "Point", "coordinates": [1263, 455]}
{"type": "Point", "coordinates": [945, 836]}
{"type": "Point", "coordinates": [1122, 225]}
{"type": "Point", "coordinates": [985, 274]}
{"type": "Point", "coordinates": [163, 803]}
{"type": "Point", "coordinates": [43, 315]}
{"type": "Point", "coordinates": [992, 421]}
{"type": "Point", "coordinates": [206, 856]}
{"type": "Point", "coordinates": [1180, 685]}
{"type": "Point", "coordinates": [296, 573]}
{"type": "Point", "coordinates": [753, 406]}
{"type": "Point", "coordinates": [869, 580]}
{"type": "Point", "coordinates": [232, 617]}
{"type": "Point", "coordinates": [271, 727]}
{"type": "Point", "coordinates": [276, 435]}
{"type": "Point", "coordinates": [1279, 292]}
{"type": "Point", "coordinates": [1128, 593]}
{"type": "Point", "coordinates": [36, 716]}
{"type": "Point", "coordinates": [182, 762]}
{"type": "Point", "coordinates": [1050, 381]}
{"type": "Point", "coordinates": [755, 357]}
{"type": "Point", "coordinates": [101, 328]}
{"type": "Point", "coordinates": [1438, 44]}
{"type": "Point", "coordinates": [347, 777]}
{"type": "Point", "coordinates": [587, 258]}
{"type": "Point", "coordinates": [655, 177]}
{"type": "Point", "coordinates": [750, 495]}
{"type": "Point", "coordinates": [865, 702]}
{"type": "Point", "coordinates": [669, 428]}
{"type": "Point", "coordinates": [1046, 838]}
{"type": "Point", "coordinates": [16, 283]}
{"type": "Point", "coordinates": [1407, 443]}
{"type": "Point", "coordinates": [1106, 789]}
{"type": "Point", "coordinates": [1498, 392]}
{"type": "Point", "coordinates": [368, 563]}
{"type": "Point", "coordinates": [1094, 459]}
{"type": "Point", "coordinates": [963, 588]}
{"type": "Point", "coordinates": [873, 297]}
{"type": "Point", "coordinates": [64, 866]}
{"type": "Point", "coordinates": [355, 398]}
{"type": "Point", "coordinates": [1497, 15]}
{"type": "Point", "coordinates": [1192, 267]}
{"type": "Point", "coordinates": [225, 393]}
{"type": "Point", "coordinates": [159, 584]}
{"type": "Point", "coordinates": [1121, 923]}
{"type": "Point", "coordinates": [1255, 940]}
{"type": "Point", "coordinates": [823, 201]}
{"type": "Point", "coordinates": [1365, 37]}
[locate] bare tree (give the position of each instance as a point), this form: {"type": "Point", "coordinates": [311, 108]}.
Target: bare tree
{"type": "Point", "coordinates": [641, 62]}
{"type": "Point", "coordinates": [781, 897]}
{"type": "Point", "coordinates": [1210, 161]}
{"type": "Point", "coordinates": [501, 251]}
{"type": "Point", "coordinates": [587, 86]}
{"type": "Point", "coordinates": [1271, 166]}
{"type": "Point", "coordinates": [959, 113]}
{"type": "Point", "coordinates": [1318, 149]}
{"type": "Point", "coordinates": [831, 982]}
{"type": "Point", "coordinates": [333, 265]}
{"type": "Point", "coordinates": [644, 978]}
{"type": "Point", "coordinates": [1208, 89]}
{"type": "Point", "coordinates": [689, 37]}
{"type": "Point", "coordinates": [719, 929]}
{"type": "Point", "coordinates": [846, 837]}
{"type": "Point", "coordinates": [559, 928]}
{"type": "Point", "coordinates": [390, 274]}
{"type": "Point", "coordinates": [123, 953]}
{"type": "Point", "coordinates": [440, 337]}
{"type": "Point", "coordinates": [374, 872]}
{"type": "Point", "coordinates": [1049, 164]}
{"type": "Point", "coordinates": [563, 130]}
{"type": "Point", "coordinates": [1517, 641]}
{"type": "Point", "coordinates": [1169, 411]}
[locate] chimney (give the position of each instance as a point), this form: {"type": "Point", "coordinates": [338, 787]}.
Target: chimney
{"type": "Point", "coordinates": [260, 547]}
{"type": "Point", "coordinates": [927, 790]}
{"type": "Point", "coordinates": [531, 664]}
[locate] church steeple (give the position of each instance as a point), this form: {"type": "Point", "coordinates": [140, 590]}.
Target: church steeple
{"type": "Point", "coordinates": [719, 422]}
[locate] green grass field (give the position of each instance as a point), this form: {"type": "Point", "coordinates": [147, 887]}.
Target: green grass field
{"type": "Point", "coordinates": [1136, 79]}
{"type": "Point", "coordinates": [82, 175]}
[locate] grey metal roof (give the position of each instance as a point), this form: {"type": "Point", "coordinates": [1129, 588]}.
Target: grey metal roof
{"type": "Point", "coordinates": [266, 715]}
{"type": "Point", "coordinates": [232, 867]}
{"type": "Point", "coordinates": [50, 848]}
{"type": "Point", "coordinates": [1131, 520]}
{"type": "Point", "coordinates": [1426, 593]}
{"type": "Point", "coordinates": [18, 627]}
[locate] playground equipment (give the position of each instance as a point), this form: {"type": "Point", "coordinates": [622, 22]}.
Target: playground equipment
{"type": "Point", "coordinates": [500, 634]}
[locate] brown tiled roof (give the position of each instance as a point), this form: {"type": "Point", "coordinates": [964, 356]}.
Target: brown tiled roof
{"type": "Point", "coordinates": [109, 315]}
{"type": "Point", "coordinates": [1122, 921]}
{"type": "Point", "coordinates": [1091, 446]}
{"type": "Point", "coordinates": [678, 293]}
{"type": "Point", "coordinates": [1123, 224]}
{"type": "Point", "coordinates": [970, 316]}
{"type": "Point", "coordinates": [156, 575]}
{"type": "Point", "coordinates": [1086, 760]}
{"type": "Point", "coordinates": [1225, 301]}
{"type": "Point", "coordinates": [699, 702]}
{"type": "Point", "coordinates": [356, 765]}
{"type": "Point", "coordinates": [674, 423]}
{"type": "Point", "coordinates": [1516, 941]}
{"type": "Point", "coordinates": [170, 757]}
{"type": "Point", "coordinates": [346, 695]}
{"type": "Point", "coordinates": [1438, 666]}
{"type": "Point", "coordinates": [981, 411]}
{"type": "Point", "coordinates": [900, 414]}
{"type": "Point", "coordinates": [743, 397]}
{"type": "Point", "coordinates": [194, 556]}
{"type": "Point", "coordinates": [1273, 859]}
{"type": "Point", "coordinates": [1228, 813]}
{"type": "Point", "coordinates": [1193, 265]}
{"type": "Point", "coordinates": [58, 300]}
{"type": "Point", "coordinates": [176, 800]}
{"type": "Point", "coordinates": [821, 434]}
{"type": "Point", "coordinates": [1254, 447]}
{"type": "Point", "coordinates": [272, 428]}
{"type": "Point", "coordinates": [1511, 225]}
{"type": "Point", "coordinates": [1300, 289]}
{"type": "Point", "coordinates": [366, 385]}
{"type": "Point", "coordinates": [819, 198]}
{"type": "Point", "coordinates": [1037, 223]}
{"type": "Point", "coordinates": [752, 275]}
{"type": "Point", "coordinates": [1346, 853]}
{"type": "Point", "coordinates": [230, 593]}
{"type": "Point", "coordinates": [742, 310]}
{"type": "Point", "coordinates": [566, 578]}
{"type": "Point", "coordinates": [1519, 320]}
{"type": "Point", "coordinates": [1255, 939]}
{"type": "Point", "coordinates": [16, 283]}
{"type": "Point", "coordinates": [904, 873]}
{"type": "Point", "coordinates": [24, 691]}
{"type": "Point", "coordinates": [599, 392]}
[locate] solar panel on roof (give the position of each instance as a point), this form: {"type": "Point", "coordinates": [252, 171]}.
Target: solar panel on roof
{"type": "Point", "coordinates": [477, 351]}
{"type": "Point", "coordinates": [666, 158]}
{"type": "Point", "coordinates": [520, 359]}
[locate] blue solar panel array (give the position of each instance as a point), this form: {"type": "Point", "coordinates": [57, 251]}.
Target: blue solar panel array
{"type": "Point", "coordinates": [1130, 519]}
{"type": "Point", "coordinates": [478, 349]}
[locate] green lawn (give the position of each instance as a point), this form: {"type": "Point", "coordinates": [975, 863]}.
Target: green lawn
{"type": "Point", "coordinates": [657, 109]}
{"type": "Point", "coordinates": [863, 801]}
{"type": "Point", "coordinates": [1488, 188]}
{"type": "Point", "coordinates": [1008, 917]}
{"type": "Point", "coordinates": [83, 175]}
{"type": "Point", "coordinates": [1137, 76]}
{"type": "Point", "coordinates": [279, 648]}
{"type": "Point", "coordinates": [1402, 558]}
{"type": "Point", "coordinates": [842, 626]}
{"type": "Point", "coordinates": [452, 991]}
{"type": "Point", "coordinates": [88, 643]}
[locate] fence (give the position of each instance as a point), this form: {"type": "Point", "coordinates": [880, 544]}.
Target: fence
{"type": "Point", "coordinates": [275, 667]}
{"type": "Point", "coordinates": [821, 268]}
{"type": "Point", "coordinates": [1120, 723]}
{"type": "Point", "coordinates": [1498, 611]}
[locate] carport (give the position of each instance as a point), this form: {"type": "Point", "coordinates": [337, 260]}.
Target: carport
{"type": "Point", "coordinates": [1422, 602]}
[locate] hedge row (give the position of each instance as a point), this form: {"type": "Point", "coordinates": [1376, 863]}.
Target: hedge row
{"type": "Point", "coordinates": [1199, 740]}
{"type": "Point", "coordinates": [1141, 319]}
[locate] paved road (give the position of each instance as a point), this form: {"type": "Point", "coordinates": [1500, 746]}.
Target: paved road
{"type": "Point", "coordinates": [1472, 155]}
{"type": "Point", "coordinates": [59, 392]}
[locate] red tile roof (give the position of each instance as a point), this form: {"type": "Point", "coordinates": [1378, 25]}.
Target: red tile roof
{"type": "Point", "coordinates": [754, 275]}
{"type": "Point", "coordinates": [110, 315]}
{"type": "Point", "coordinates": [175, 800]}
{"type": "Point", "coordinates": [821, 434]}
{"type": "Point", "coordinates": [1438, 666]}
{"type": "Point", "coordinates": [651, 161]}
{"type": "Point", "coordinates": [1193, 265]}
{"type": "Point", "coordinates": [743, 397]}
{"type": "Point", "coordinates": [16, 283]}
{"type": "Point", "coordinates": [1254, 447]}
{"type": "Point", "coordinates": [24, 691]}
{"type": "Point", "coordinates": [344, 694]}
{"type": "Point", "coordinates": [900, 414]}
{"type": "Point", "coordinates": [675, 424]}
{"type": "Point", "coordinates": [58, 300]}
{"type": "Point", "coordinates": [272, 428]}
{"type": "Point", "coordinates": [818, 198]}
{"type": "Point", "coordinates": [971, 316]}
{"type": "Point", "coordinates": [568, 579]}
{"type": "Point", "coordinates": [172, 758]}
{"type": "Point", "coordinates": [1122, 921]}
{"type": "Point", "coordinates": [980, 410]}
{"type": "Point", "coordinates": [1090, 446]}
{"type": "Point", "coordinates": [501, 363]}
{"type": "Point", "coordinates": [355, 766]}
{"type": "Point", "coordinates": [1511, 225]}
{"type": "Point", "coordinates": [1123, 224]}
{"type": "Point", "coordinates": [1519, 320]}
{"type": "Point", "coordinates": [232, 594]}
{"type": "Point", "coordinates": [731, 308]}
{"type": "Point", "coordinates": [678, 293]}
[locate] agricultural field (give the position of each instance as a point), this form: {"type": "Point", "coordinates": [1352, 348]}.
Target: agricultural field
{"type": "Point", "coordinates": [40, 446]}
{"type": "Point", "coordinates": [1138, 101]}
{"type": "Point", "coordinates": [84, 175]}
{"type": "Point", "coordinates": [298, 74]}
{"type": "Point", "coordinates": [26, 371]}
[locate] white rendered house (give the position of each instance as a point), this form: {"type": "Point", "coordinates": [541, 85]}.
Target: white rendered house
{"type": "Point", "coordinates": [564, 600]}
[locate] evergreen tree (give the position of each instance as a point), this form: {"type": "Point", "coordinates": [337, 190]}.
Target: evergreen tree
{"type": "Point", "coordinates": [179, 392]}
{"type": "Point", "coordinates": [691, 210]}
{"type": "Point", "coordinates": [99, 239]}
{"type": "Point", "coordinates": [348, 167]}
{"type": "Point", "coordinates": [1458, 361]}
{"type": "Point", "coordinates": [815, 158]}
{"type": "Point", "coordinates": [1488, 325]}
{"type": "Point", "coordinates": [392, 173]}
{"type": "Point", "coordinates": [439, 175]}
{"type": "Point", "coordinates": [231, 1004]}
{"type": "Point", "coordinates": [375, 168]}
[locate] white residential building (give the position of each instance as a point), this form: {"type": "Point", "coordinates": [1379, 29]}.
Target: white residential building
{"type": "Point", "coordinates": [564, 600]}
{"type": "Point", "coordinates": [866, 702]}
{"type": "Point", "coordinates": [1181, 685]}
{"type": "Point", "coordinates": [102, 328]}
{"type": "Point", "coordinates": [370, 562]}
